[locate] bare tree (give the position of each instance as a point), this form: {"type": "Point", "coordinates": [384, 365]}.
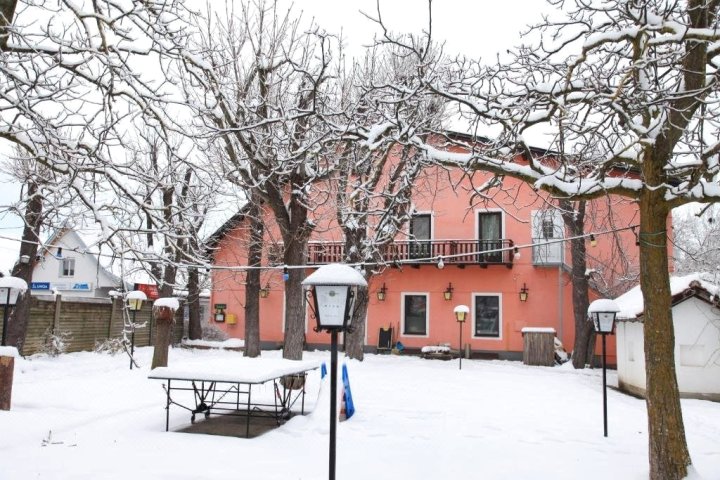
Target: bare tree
{"type": "Point", "coordinates": [256, 79]}
{"type": "Point", "coordinates": [632, 86]}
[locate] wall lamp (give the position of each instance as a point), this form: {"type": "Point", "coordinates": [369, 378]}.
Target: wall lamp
{"type": "Point", "coordinates": [381, 293]}
{"type": "Point", "coordinates": [593, 240]}
{"type": "Point", "coordinates": [524, 293]}
{"type": "Point", "coordinates": [265, 291]}
{"type": "Point", "coordinates": [448, 292]}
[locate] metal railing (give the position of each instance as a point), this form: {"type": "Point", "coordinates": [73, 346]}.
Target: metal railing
{"type": "Point", "coordinates": [418, 252]}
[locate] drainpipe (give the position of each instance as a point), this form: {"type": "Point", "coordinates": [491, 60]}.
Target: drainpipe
{"type": "Point", "coordinates": [560, 300]}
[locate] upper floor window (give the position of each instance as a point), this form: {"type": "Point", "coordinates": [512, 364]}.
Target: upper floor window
{"type": "Point", "coordinates": [415, 314]}
{"type": "Point", "coordinates": [490, 236]}
{"type": "Point", "coordinates": [420, 234]}
{"type": "Point", "coordinates": [547, 228]}
{"type": "Point", "coordinates": [67, 267]}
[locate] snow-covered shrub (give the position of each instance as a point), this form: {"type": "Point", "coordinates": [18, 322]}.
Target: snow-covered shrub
{"type": "Point", "coordinates": [55, 343]}
{"type": "Point", "coordinates": [110, 346]}
{"type": "Point", "coordinates": [211, 332]}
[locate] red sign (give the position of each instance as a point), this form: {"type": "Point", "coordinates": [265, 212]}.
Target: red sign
{"type": "Point", "coordinates": [150, 290]}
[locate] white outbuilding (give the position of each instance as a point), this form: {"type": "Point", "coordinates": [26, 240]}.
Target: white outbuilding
{"type": "Point", "coordinates": [696, 321]}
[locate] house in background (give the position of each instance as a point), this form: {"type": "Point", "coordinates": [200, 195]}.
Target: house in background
{"type": "Point", "coordinates": [696, 321]}
{"type": "Point", "coordinates": [491, 253]}
{"type": "Point", "coordinates": [67, 266]}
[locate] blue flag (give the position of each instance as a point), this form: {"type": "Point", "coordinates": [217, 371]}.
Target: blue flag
{"type": "Point", "coordinates": [349, 405]}
{"type": "Point", "coordinates": [323, 370]}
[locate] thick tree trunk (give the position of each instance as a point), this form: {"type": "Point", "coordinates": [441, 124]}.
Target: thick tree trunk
{"type": "Point", "coordinates": [194, 320]}
{"type": "Point", "coordinates": [583, 346]}
{"type": "Point", "coordinates": [20, 316]}
{"type": "Point", "coordinates": [252, 284]}
{"type": "Point", "coordinates": [669, 455]}
{"type": "Point", "coordinates": [355, 340]}
{"type": "Point", "coordinates": [294, 302]}
{"type": "Point", "coordinates": [164, 318]}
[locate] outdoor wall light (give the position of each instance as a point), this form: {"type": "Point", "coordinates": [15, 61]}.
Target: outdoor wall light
{"type": "Point", "coordinates": [524, 293]}
{"type": "Point", "coordinates": [448, 292]}
{"type": "Point", "coordinates": [381, 293]}
{"type": "Point", "coordinates": [593, 240]}
{"type": "Point", "coordinates": [25, 259]}
{"type": "Point", "coordinates": [265, 291]}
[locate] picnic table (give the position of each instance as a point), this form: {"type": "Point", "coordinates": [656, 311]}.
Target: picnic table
{"type": "Point", "coordinates": [230, 387]}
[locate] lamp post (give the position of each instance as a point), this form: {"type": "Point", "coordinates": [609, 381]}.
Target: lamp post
{"type": "Point", "coordinates": [602, 313]}
{"type": "Point", "coordinates": [10, 290]}
{"type": "Point", "coordinates": [134, 302]}
{"type": "Point", "coordinates": [461, 312]}
{"type": "Point", "coordinates": [333, 288]}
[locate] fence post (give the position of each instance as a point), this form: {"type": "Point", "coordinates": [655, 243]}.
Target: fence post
{"type": "Point", "coordinates": [56, 315]}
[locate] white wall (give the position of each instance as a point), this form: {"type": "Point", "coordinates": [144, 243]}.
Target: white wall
{"type": "Point", "coordinates": [697, 350]}
{"type": "Point", "coordinates": [87, 270]}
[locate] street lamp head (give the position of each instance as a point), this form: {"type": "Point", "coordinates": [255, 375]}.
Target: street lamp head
{"type": "Point", "coordinates": [461, 312]}
{"type": "Point", "coordinates": [602, 313]}
{"type": "Point", "coordinates": [333, 288]}
{"type": "Point", "coordinates": [135, 300]}
{"type": "Point", "coordinates": [10, 290]}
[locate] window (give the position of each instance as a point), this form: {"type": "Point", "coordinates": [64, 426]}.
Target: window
{"type": "Point", "coordinates": [547, 225]}
{"type": "Point", "coordinates": [490, 235]}
{"type": "Point", "coordinates": [487, 316]}
{"type": "Point", "coordinates": [67, 268]}
{"type": "Point", "coordinates": [415, 314]}
{"type": "Point", "coordinates": [420, 229]}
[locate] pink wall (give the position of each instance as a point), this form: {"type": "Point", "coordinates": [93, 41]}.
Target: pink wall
{"type": "Point", "coordinates": [452, 218]}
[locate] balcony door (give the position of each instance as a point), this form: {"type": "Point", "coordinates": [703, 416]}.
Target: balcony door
{"type": "Point", "coordinates": [420, 235]}
{"type": "Point", "coordinates": [490, 236]}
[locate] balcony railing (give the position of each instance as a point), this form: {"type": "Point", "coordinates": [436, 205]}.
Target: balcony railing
{"type": "Point", "coordinates": [418, 252]}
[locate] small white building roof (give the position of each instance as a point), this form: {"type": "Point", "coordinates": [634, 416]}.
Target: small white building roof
{"type": "Point", "coordinates": [632, 304]}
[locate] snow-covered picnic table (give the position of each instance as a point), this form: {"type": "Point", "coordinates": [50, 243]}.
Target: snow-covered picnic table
{"type": "Point", "coordinates": [227, 387]}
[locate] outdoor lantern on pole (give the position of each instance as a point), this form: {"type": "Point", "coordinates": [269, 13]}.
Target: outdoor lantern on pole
{"type": "Point", "coordinates": [333, 288]}
{"type": "Point", "coordinates": [10, 290]}
{"type": "Point", "coordinates": [461, 313]}
{"type": "Point", "coordinates": [135, 300]}
{"type": "Point", "coordinates": [602, 313]}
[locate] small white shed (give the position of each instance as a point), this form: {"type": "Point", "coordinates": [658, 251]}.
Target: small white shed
{"type": "Point", "coordinates": [696, 320]}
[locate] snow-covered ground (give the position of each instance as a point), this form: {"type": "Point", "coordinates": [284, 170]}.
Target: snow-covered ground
{"type": "Point", "coordinates": [87, 416]}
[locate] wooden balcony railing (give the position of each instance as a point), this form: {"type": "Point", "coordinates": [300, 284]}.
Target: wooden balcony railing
{"type": "Point", "coordinates": [418, 252]}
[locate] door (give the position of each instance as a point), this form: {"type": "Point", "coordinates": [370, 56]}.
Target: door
{"type": "Point", "coordinates": [490, 236]}
{"type": "Point", "coordinates": [420, 234]}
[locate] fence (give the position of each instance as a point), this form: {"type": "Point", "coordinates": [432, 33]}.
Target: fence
{"type": "Point", "coordinates": [86, 321]}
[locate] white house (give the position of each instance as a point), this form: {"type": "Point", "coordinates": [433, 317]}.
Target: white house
{"type": "Point", "coordinates": [67, 266]}
{"type": "Point", "coordinates": [696, 320]}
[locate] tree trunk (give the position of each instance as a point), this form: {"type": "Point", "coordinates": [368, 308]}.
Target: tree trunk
{"type": "Point", "coordinates": [252, 283]}
{"type": "Point", "coordinates": [194, 320]}
{"type": "Point", "coordinates": [583, 346]}
{"type": "Point", "coordinates": [294, 301]}
{"type": "Point", "coordinates": [355, 340]}
{"type": "Point", "coordinates": [669, 455]}
{"type": "Point", "coordinates": [20, 317]}
{"type": "Point", "coordinates": [164, 319]}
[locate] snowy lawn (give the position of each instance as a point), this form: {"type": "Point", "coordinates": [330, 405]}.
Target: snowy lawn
{"type": "Point", "coordinates": [415, 419]}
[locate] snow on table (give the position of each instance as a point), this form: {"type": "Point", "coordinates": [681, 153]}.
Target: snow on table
{"type": "Point", "coordinates": [240, 370]}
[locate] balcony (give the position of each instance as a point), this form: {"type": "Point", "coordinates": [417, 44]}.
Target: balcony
{"type": "Point", "coordinates": [425, 252]}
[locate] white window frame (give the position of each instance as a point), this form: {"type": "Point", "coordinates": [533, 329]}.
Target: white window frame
{"type": "Point", "coordinates": [500, 315]}
{"type": "Point", "coordinates": [478, 211]}
{"type": "Point", "coordinates": [427, 315]}
{"type": "Point", "coordinates": [62, 267]}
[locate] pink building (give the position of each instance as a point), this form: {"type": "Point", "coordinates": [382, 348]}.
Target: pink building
{"type": "Point", "coordinates": [516, 226]}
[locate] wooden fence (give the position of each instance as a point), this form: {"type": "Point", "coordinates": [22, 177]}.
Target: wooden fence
{"type": "Point", "coordinates": [87, 321]}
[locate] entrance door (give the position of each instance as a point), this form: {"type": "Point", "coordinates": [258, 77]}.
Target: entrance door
{"type": "Point", "coordinates": [490, 236]}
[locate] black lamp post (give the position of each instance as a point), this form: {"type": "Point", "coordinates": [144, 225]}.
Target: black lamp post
{"type": "Point", "coordinates": [602, 312]}
{"type": "Point", "coordinates": [333, 289]}
{"type": "Point", "coordinates": [135, 300]}
{"type": "Point", "coordinates": [461, 313]}
{"type": "Point", "coordinates": [10, 290]}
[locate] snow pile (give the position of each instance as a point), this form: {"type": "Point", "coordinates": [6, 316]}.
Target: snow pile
{"type": "Point", "coordinates": [229, 343]}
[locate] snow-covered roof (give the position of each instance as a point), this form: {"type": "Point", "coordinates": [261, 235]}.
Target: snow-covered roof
{"type": "Point", "coordinates": [166, 302]}
{"type": "Point", "coordinates": [632, 305]}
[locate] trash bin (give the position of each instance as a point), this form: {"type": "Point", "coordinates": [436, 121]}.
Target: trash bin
{"type": "Point", "coordinates": [538, 346]}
